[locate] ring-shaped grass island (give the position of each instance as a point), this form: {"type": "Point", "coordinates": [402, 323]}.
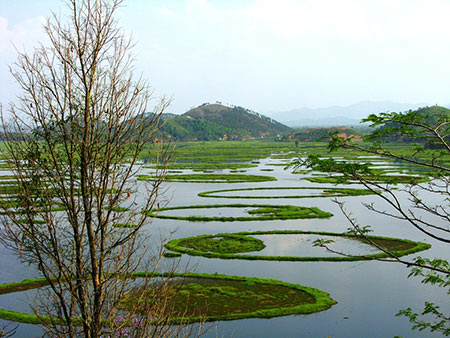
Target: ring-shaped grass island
{"type": "Point", "coordinates": [232, 245]}
{"type": "Point", "coordinates": [318, 192]}
{"type": "Point", "coordinates": [210, 178]}
{"type": "Point", "coordinates": [209, 297]}
{"type": "Point", "coordinates": [256, 212]}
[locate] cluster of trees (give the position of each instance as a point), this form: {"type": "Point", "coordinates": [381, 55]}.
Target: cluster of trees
{"type": "Point", "coordinates": [183, 128]}
{"type": "Point", "coordinates": [321, 134]}
{"type": "Point", "coordinates": [241, 119]}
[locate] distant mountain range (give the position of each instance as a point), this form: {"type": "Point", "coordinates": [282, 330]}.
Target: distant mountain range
{"type": "Point", "coordinates": [337, 115]}
{"type": "Point", "coordinates": [219, 122]}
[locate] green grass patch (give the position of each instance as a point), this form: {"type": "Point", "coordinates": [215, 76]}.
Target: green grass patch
{"type": "Point", "coordinates": [223, 243]}
{"type": "Point", "coordinates": [10, 188]}
{"type": "Point", "coordinates": [278, 164]}
{"type": "Point", "coordinates": [387, 179]}
{"type": "Point", "coordinates": [171, 254]}
{"type": "Point", "coordinates": [322, 192]}
{"type": "Point", "coordinates": [215, 297]}
{"type": "Point", "coordinates": [8, 177]}
{"type": "Point", "coordinates": [35, 221]}
{"type": "Point", "coordinates": [400, 247]}
{"type": "Point", "coordinates": [203, 166]}
{"type": "Point", "coordinates": [117, 209]}
{"type": "Point", "coordinates": [211, 178]}
{"type": "Point", "coordinates": [221, 297]}
{"type": "Point", "coordinates": [261, 212]}
{"type": "Point", "coordinates": [14, 208]}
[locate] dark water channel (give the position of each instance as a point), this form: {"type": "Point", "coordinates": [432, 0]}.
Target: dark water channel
{"type": "Point", "coordinates": [368, 293]}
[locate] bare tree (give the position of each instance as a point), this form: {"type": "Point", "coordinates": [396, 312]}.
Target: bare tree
{"type": "Point", "coordinates": [73, 141]}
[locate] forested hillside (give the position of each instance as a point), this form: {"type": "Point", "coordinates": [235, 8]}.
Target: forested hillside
{"type": "Point", "coordinates": [219, 122]}
{"type": "Point", "coordinates": [321, 134]}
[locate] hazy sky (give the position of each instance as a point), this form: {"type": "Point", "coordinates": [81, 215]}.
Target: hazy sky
{"type": "Point", "coordinates": [269, 55]}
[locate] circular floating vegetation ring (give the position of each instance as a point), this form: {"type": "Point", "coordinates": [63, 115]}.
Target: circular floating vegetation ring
{"type": "Point", "coordinates": [211, 178]}
{"type": "Point", "coordinates": [386, 179]}
{"type": "Point", "coordinates": [222, 297]}
{"type": "Point", "coordinates": [203, 166]}
{"type": "Point", "coordinates": [215, 297]}
{"type": "Point", "coordinates": [198, 246]}
{"type": "Point", "coordinates": [256, 212]}
{"type": "Point", "coordinates": [321, 192]}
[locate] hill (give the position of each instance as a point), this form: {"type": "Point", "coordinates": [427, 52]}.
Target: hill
{"type": "Point", "coordinates": [321, 134]}
{"type": "Point", "coordinates": [390, 132]}
{"type": "Point", "coordinates": [219, 122]}
{"type": "Point", "coordinates": [431, 116]}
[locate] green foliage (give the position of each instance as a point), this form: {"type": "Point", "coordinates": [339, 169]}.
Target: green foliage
{"type": "Point", "coordinates": [358, 230]}
{"type": "Point", "coordinates": [441, 322]}
{"type": "Point", "coordinates": [440, 278]}
{"type": "Point", "coordinates": [322, 242]}
{"type": "Point", "coordinates": [425, 134]}
{"type": "Point", "coordinates": [321, 134]}
{"type": "Point", "coordinates": [426, 131]}
{"type": "Point", "coordinates": [411, 127]}
{"type": "Point", "coordinates": [183, 128]}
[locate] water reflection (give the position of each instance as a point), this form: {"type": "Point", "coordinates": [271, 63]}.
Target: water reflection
{"type": "Point", "coordinates": [368, 293]}
{"type": "Point", "coordinates": [301, 246]}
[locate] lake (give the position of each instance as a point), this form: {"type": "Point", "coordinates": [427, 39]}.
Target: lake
{"type": "Point", "coordinates": [368, 293]}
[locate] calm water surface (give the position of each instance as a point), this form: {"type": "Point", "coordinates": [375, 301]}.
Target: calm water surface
{"type": "Point", "coordinates": [368, 293]}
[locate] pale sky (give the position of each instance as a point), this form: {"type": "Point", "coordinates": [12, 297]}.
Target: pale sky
{"type": "Point", "coordinates": [269, 55]}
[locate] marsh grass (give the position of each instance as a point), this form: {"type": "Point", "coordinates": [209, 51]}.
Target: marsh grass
{"type": "Point", "coordinates": [201, 166]}
{"type": "Point", "coordinates": [224, 243]}
{"type": "Point", "coordinates": [388, 179]}
{"type": "Point", "coordinates": [220, 297]}
{"type": "Point", "coordinates": [260, 212]}
{"type": "Point", "coordinates": [211, 178]}
{"type": "Point", "coordinates": [324, 192]}
{"type": "Point", "coordinates": [117, 209]}
{"type": "Point", "coordinates": [216, 297]}
{"type": "Point", "coordinates": [399, 247]}
{"type": "Point", "coordinates": [225, 154]}
{"type": "Point", "coordinates": [125, 225]}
